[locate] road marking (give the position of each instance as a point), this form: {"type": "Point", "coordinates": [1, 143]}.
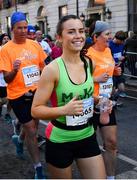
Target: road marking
{"type": "Point", "coordinates": [44, 122]}
{"type": "Point", "coordinates": [131, 97]}
{"type": "Point", "coordinates": [131, 89]}
{"type": "Point", "coordinates": [127, 159]}
{"type": "Point", "coordinates": [123, 157]}
{"type": "Point", "coordinates": [127, 175]}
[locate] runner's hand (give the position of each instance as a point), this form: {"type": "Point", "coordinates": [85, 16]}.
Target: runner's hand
{"type": "Point", "coordinates": [117, 71]}
{"type": "Point", "coordinates": [16, 64]}
{"type": "Point", "coordinates": [74, 107]}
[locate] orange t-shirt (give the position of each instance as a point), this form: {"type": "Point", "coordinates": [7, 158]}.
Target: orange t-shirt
{"type": "Point", "coordinates": [104, 62]}
{"type": "Point", "coordinates": [32, 60]}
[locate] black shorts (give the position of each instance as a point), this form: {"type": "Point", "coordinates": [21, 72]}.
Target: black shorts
{"type": "Point", "coordinates": [96, 116]}
{"type": "Point", "coordinates": [22, 108]}
{"type": "Point", "coordinates": [61, 155]}
{"type": "Point", "coordinates": [3, 92]}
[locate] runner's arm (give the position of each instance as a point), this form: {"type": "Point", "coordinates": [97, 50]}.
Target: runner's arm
{"type": "Point", "coordinates": [9, 76]}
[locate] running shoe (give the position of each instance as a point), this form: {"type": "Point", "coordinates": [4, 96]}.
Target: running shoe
{"type": "Point", "coordinates": [119, 103]}
{"type": "Point", "coordinates": [16, 127]}
{"type": "Point", "coordinates": [39, 173]}
{"type": "Point", "coordinates": [122, 94]}
{"type": "Point", "coordinates": [8, 118]}
{"type": "Point", "coordinates": [19, 146]}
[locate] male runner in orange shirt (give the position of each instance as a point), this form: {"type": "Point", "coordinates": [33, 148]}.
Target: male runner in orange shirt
{"type": "Point", "coordinates": [21, 61]}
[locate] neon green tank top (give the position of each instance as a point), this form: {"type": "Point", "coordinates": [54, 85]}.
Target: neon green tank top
{"type": "Point", "coordinates": [63, 93]}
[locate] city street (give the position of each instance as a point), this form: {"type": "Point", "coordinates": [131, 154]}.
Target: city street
{"type": "Point", "coordinates": [35, 32]}
{"type": "Point", "coordinates": [13, 168]}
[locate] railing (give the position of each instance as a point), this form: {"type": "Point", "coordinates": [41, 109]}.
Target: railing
{"type": "Point", "coordinates": [130, 69]}
{"type": "Point", "coordinates": [130, 73]}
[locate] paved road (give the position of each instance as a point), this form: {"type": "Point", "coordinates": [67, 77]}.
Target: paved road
{"type": "Point", "coordinates": [11, 167]}
{"type": "Point", "coordinates": [127, 139]}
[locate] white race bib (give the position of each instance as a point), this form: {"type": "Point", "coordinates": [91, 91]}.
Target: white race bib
{"type": "Point", "coordinates": [83, 118]}
{"type": "Point", "coordinates": [31, 75]}
{"type": "Point", "coordinates": [117, 55]}
{"type": "Point", "coordinates": [106, 87]}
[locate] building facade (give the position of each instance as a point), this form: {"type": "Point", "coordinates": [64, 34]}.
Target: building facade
{"type": "Point", "coordinates": [46, 13]}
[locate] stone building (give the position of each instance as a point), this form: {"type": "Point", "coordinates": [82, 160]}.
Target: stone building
{"type": "Point", "coordinates": [46, 13]}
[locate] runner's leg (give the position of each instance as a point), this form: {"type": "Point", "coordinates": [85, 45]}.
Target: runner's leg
{"type": "Point", "coordinates": [60, 173]}
{"type": "Point", "coordinates": [92, 167]}
{"type": "Point", "coordinates": [109, 136]}
{"type": "Point", "coordinates": [31, 140]}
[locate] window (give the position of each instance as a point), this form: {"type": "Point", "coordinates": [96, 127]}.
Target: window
{"type": "Point", "coordinates": [132, 15]}
{"type": "Point", "coordinates": [8, 22]}
{"type": "Point", "coordinates": [22, 1]}
{"type": "Point", "coordinates": [27, 17]}
{"type": "Point", "coordinates": [63, 11]}
{"type": "Point", "coordinates": [6, 4]}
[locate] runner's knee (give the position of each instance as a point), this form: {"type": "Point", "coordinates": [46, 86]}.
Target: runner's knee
{"type": "Point", "coordinates": [111, 144]}
{"type": "Point", "coordinates": [30, 131]}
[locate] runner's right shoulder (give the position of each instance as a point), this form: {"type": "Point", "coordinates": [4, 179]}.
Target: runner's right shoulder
{"type": "Point", "coordinates": [51, 70]}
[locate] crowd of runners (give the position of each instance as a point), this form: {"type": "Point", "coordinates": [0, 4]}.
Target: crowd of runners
{"type": "Point", "coordinates": [72, 83]}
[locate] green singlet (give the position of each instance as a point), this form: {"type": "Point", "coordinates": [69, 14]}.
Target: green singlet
{"type": "Point", "coordinates": [64, 92]}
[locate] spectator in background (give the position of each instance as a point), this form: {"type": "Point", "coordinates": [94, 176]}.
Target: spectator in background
{"type": "Point", "coordinates": [88, 37]}
{"type": "Point", "coordinates": [49, 40]}
{"type": "Point", "coordinates": [4, 38]}
{"type": "Point", "coordinates": [56, 50]}
{"type": "Point", "coordinates": [117, 49]}
{"type": "Point", "coordinates": [45, 46]}
{"type": "Point", "coordinates": [131, 52]}
{"type": "Point", "coordinates": [31, 32]}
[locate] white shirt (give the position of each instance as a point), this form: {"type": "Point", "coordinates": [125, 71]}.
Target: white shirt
{"type": "Point", "coordinates": [45, 46]}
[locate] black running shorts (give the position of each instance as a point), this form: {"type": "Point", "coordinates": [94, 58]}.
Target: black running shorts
{"type": "Point", "coordinates": [61, 155]}
{"type": "Point", "coordinates": [96, 116]}
{"type": "Point", "coordinates": [22, 108]}
{"type": "Point", "coordinates": [3, 92]}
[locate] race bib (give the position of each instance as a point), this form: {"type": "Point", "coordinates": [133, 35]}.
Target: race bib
{"type": "Point", "coordinates": [31, 75]}
{"type": "Point", "coordinates": [106, 87]}
{"type": "Point", "coordinates": [77, 120]}
{"type": "Point", "coordinates": [117, 55]}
